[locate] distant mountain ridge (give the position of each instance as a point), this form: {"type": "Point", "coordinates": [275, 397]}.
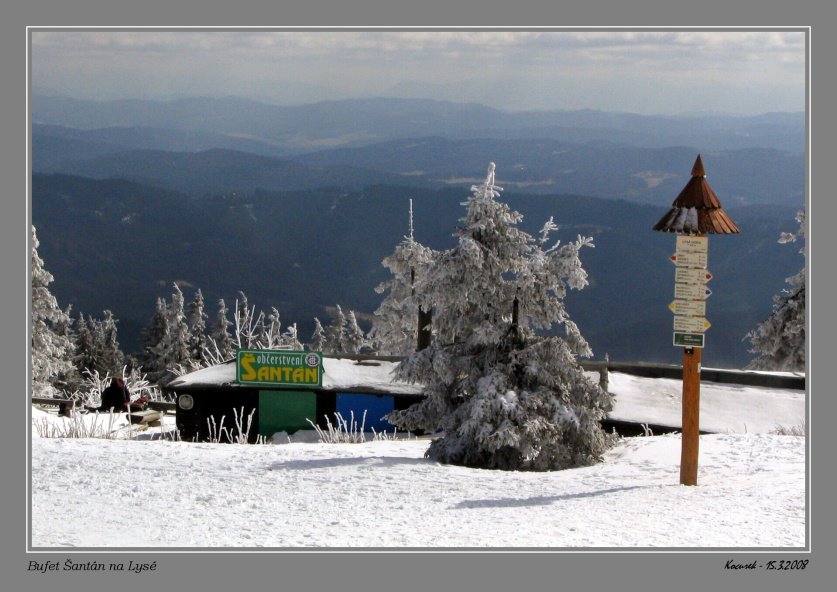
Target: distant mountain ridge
{"type": "Point", "coordinates": [356, 122]}
{"type": "Point", "coordinates": [219, 171]}
{"type": "Point", "coordinates": [646, 175]}
{"type": "Point", "coordinates": [54, 144]}
{"type": "Point", "coordinates": [603, 169]}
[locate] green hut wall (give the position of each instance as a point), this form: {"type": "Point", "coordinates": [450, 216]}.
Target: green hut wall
{"type": "Point", "coordinates": [285, 411]}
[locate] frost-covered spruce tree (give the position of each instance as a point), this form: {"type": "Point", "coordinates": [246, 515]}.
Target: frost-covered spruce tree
{"type": "Point", "coordinates": [336, 333]}
{"type": "Point", "coordinates": [172, 351]}
{"type": "Point", "coordinates": [318, 337]}
{"type": "Point", "coordinates": [263, 336]}
{"type": "Point", "coordinates": [779, 341]}
{"type": "Point", "coordinates": [221, 340]}
{"type": "Point", "coordinates": [290, 338]}
{"type": "Point", "coordinates": [274, 330]}
{"type": "Point", "coordinates": [97, 347]}
{"type": "Point", "coordinates": [68, 380]}
{"type": "Point", "coordinates": [85, 354]}
{"type": "Point", "coordinates": [196, 321]}
{"type": "Point", "coordinates": [111, 357]}
{"type": "Point", "coordinates": [355, 339]}
{"type": "Point", "coordinates": [501, 395]}
{"type": "Point", "coordinates": [395, 323]}
{"type": "Point", "coordinates": [52, 350]}
{"type": "Point", "coordinates": [155, 333]}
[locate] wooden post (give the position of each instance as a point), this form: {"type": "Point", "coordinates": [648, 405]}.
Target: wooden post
{"type": "Point", "coordinates": [691, 414]}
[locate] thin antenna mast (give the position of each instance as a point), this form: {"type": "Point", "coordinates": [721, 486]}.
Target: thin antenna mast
{"type": "Point", "coordinates": [411, 219]}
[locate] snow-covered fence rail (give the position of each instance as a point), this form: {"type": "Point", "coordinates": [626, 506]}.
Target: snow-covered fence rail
{"type": "Point", "coordinates": [64, 405]}
{"type": "Point", "coordinates": [652, 370]}
{"type": "Point", "coordinates": [167, 406]}
{"type": "Point", "coordinates": [50, 401]}
{"type": "Point", "coordinates": [786, 380]}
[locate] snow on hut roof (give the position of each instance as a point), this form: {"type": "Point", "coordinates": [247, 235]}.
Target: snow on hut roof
{"type": "Point", "coordinates": [340, 374]}
{"type": "Point", "coordinates": [697, 209]}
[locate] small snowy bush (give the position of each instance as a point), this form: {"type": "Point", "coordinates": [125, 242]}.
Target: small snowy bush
{"type": "Point", "coordinates": [239, 434]}
{"type": "Point", "coordinates": [349, 432]}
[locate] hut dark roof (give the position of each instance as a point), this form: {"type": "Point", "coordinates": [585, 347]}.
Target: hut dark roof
{"type": "Point", "coordinates": [697, 209]}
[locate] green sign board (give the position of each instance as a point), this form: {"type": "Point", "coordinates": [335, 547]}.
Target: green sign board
{"type": "Point", "coordinates": [688, 339]}
{"type": "Point", "coordinates": [271, 367]}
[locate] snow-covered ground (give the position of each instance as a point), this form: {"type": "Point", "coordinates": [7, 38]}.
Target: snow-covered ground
{"type": "Point", "coordinates": [149, 492]}
{"type": "Point", "coordinates": [724, 408]}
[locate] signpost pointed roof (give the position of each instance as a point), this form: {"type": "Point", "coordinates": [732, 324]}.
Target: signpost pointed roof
{"type": "Point", "coordinates": [697, 169]}
{"type": "Point", "coordinates": [697, 209]}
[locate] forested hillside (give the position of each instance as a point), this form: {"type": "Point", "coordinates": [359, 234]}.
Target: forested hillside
{"type": "Point", "coordinates": [119, 245]}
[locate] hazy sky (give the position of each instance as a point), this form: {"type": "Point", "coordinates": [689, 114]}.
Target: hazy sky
{"type": "Point", "coordinates": [639, 71]}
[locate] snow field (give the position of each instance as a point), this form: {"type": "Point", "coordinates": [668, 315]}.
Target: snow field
{"type": "Point", "coordinates": [162, 494]}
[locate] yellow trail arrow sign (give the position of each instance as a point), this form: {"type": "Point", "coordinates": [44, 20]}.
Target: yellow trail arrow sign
{"type": "Point", "coordinates": [690, 308]}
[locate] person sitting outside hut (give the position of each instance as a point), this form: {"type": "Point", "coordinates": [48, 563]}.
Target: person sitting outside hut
{"type": "Point", "coordinates": [116, 396]}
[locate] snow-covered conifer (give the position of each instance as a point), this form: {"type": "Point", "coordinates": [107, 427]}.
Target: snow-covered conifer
{"type": "Point", "coordinates": [173, 349]}
{"type": "Point", "coordinates": [779, 340]}
{"type": "Point", "coordinates": [263, 337]}
{"type": "Point", "coordinates": [97, 347]}
{"type": "Point", "coordinates": [85, 356]}
{"type": "Point", "coordinates": [52, 352]}
{"type": "Point", "coordinates": [290, 338]}
{"type": "Point", "coordinates": [499, 394]}
{"type": "Point", "coordinates": [355, 338]}
{"type": "Point", "coordinates": [111, 357]}
{"type": "Point", "coordinates": [318, 337]}
{"type": "Point", "coordinates": [220, 337]}
{"type": "Point", "coordinates": [336, 333]}
{"type": "Point", "coordinates": [196, 321]}
{"type": "Point", "coordinates": [395, 324]}
{"type": "Point", "coordinates": [71, 379]}
{"type": "Point", "coordinates": [274, 329]}
{"type": "Point", "coordinates": [155, 333]}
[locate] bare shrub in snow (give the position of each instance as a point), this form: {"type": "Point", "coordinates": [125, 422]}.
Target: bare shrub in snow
{"type": "Point", "coordinates": [239, 434]}
{"type": "Point", "coordinates": [94, 425]}
{"type": "Point", "coordinates": [89, 394]}
{"type": "Point", "coordinates": [345, 432]}
{"type": "Point", "coordinates": [794, 430]}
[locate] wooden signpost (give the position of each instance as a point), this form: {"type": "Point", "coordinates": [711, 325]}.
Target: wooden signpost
{"type": "Point", "coordinates": [690, 286]}
{"type": "Point", "coordinates": [695, 213]}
